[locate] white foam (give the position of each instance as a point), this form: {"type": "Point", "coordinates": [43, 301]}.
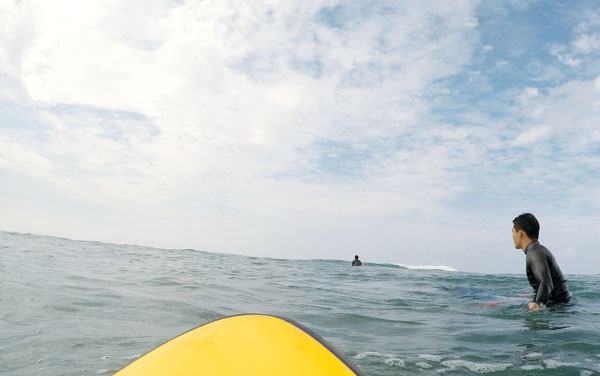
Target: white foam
{"type": "Point", "coordinates": [371, 353]}
{"type": "Point", "coordinates": [552, 364]}
{"type": "Point", "coordinates": [433, 358]}
{"type": "Point", "coordinates": [428, 267]}
{"type": "Point", "coordinates": [533, 355]}
{"type": "Point", "coordinates": [390, 360]}
{"type": "Point", "coordinates": [586, 372]}
{"type": "Point", "coordinates": [476, 367]}
{"type": "Point", "coordinates": [423, 365]}
{"type": "Point", "coordinates": [530, 367]}
{"type": "Point", "coordinates": [395, 362]}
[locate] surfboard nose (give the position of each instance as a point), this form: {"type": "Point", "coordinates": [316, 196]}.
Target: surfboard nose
{"type": "Point", "coordinates": [251, 345]}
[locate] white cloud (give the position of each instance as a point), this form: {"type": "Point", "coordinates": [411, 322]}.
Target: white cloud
{"type": "Point", "coordinates": [569, 60]}
{"type": "Point", "coordinates": [531, 92]}
{"type": "Point", "coordinates": [528, 93]}
{"type": "Point", "coordinates": [567, 112]}
{"type": "Point", "coordinates": [589, 22]}
{"type": "Point", "coordinates": [15, 32]}
{"type": "Point", "coordinates": [473, 22]}
{"type": "Point", "coordinates": [566, 57]}
{"type": "Point", "coordinates": [223, 112]}
{"type": "Point", "coordinates": [597, 82]}
{"type": "Point", "coordinates": [14, 157]}
{"type": "Point", "coordinates": [587, 43]}
{"type": "Point", "coordinates": [534, 134]}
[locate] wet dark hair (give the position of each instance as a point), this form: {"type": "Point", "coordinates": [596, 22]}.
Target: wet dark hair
{"type": "Point", "coordinates": [356, 256]}
{"type": "Point", "coordinates": [528, 223]}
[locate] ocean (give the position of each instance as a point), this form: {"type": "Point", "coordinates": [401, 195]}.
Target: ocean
{"type": "Point", "coordinates": [90, 308]}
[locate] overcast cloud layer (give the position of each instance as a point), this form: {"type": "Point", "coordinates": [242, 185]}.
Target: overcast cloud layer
{"type": "Point", "coordinates": [408, 132]}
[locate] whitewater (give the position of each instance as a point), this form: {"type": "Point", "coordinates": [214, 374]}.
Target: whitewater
{"type": "Point", "coordinates": [90, 308]}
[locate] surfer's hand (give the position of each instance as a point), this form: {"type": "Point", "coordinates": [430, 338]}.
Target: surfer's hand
{"type": "Point", "coordinates": [533, 306]}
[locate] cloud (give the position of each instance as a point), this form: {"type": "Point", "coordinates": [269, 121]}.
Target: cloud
{"type": "Point", "coordinates": [587, 44]}
{"type": "Point", "coordinates": [535, 134]}
{"type": "Point", "coordinates": [567, 58]}
{"type": "Point", "coordinates": [528, 94]}
{"type": "Point", "coordinates": [589, 20]}
{"type": "Point", "coordinates": [219, 109]}
{"type": "Point", "coordinates": [233, 79]}
{"type": "Point", "coordinates": [473, 22]}
{"type": "Point", "coordinates": [15, 157]}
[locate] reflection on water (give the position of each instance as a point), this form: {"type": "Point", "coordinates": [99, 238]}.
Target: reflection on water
{"type": "Point", "coordinates": [541, 323]}
{"type": "Point", "coordinates": [551, 318]}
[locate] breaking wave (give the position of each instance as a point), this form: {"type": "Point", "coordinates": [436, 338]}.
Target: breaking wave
{"type": "Point", "coordinates": [428, 267]}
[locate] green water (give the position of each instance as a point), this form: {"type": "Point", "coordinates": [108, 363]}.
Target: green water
{"type": "Point", "coordinates": [87, 308]}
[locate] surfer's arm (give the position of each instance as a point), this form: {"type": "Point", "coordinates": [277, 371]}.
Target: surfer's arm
{"type": "Point", "coordinates": [541, 272]}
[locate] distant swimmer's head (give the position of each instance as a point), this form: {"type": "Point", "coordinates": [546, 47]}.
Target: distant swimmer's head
{"type": "Point", "coordinates": [356, 257]}
{"type": "Point", "coordinates": [525, 229]}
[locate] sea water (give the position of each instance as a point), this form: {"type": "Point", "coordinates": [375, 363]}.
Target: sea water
{"type": "Point", "coordinates": [88, 308]}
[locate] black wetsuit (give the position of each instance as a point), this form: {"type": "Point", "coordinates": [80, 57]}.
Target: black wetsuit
{"type": "Point", "coordinates": [545, 276]}
{"type": "Point", "coordinates": [356, 263]}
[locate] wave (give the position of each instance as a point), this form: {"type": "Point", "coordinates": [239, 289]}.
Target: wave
{"type": "Point", "coordinates": [428, 267]}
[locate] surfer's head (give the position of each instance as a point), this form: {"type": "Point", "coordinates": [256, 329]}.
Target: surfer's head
{"type": "Point", "coordinates": [525, 228]}
{"type": "Point", "coordinates": [356, 257]}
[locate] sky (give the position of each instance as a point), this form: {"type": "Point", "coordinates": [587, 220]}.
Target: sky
{"type": "Point", "coordinates": [405, 132]}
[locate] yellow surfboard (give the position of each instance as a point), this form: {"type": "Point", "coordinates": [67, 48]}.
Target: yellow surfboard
{"type": "Point", "coordinates": [245, 345]}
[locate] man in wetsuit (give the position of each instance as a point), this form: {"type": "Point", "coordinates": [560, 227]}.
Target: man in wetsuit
{"type": "Point", "coordinates": [543, 273]}
{"type": "Point", "coordinates": [356, 261]}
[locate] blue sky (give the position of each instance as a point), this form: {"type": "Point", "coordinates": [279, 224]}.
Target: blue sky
{"type": "Point", "coordinates": [407, 132]}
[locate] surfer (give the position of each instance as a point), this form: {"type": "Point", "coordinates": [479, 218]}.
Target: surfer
{"type": "Point", "coordinates": [356, 261]}
{"type": "Point", "coordinates": [543, 273]}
